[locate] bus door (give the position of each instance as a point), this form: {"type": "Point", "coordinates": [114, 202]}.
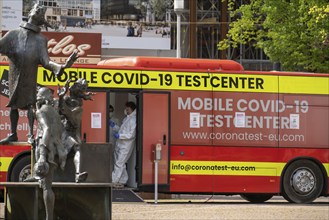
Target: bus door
{"type": "Point", "coordinates": [117, 99]}
{"type": "Point", "coordinates": [154, 129]}
{"type": "Point", "coordinates": [93, 125]}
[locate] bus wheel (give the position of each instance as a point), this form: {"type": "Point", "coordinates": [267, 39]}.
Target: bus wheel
{"type": "Point", "coordinates": [256, 198]}
{"type": "Point", "coordinates": [302, 182]}
{"type": "Point", "coordinates": [21, 170]}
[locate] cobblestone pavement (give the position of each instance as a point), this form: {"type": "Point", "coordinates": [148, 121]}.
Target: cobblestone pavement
{"type": "Point", "coordinates": [219, 208]}
{"type": "Point", "coordinates": [222, 208]}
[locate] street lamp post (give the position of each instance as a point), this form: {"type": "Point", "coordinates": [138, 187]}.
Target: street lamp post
{"type": "Point", "coordinates": [178, 8]}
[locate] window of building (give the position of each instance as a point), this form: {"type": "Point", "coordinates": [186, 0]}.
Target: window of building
{"type": "Point", "coordinates": [56, 11]}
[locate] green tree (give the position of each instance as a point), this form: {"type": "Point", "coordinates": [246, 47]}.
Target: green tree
{"type": "Point", "coordinates": [292, 32]}
{"type": "Point", "coordinates": [142, 6]}
{"type": "Point", "coordinates": [159, 8]}
{"type": "Point", "coordinates": [27, 5]}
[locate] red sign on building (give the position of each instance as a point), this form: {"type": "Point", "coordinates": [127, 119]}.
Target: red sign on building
{"type": "Point", "coordinates": [62, 44]}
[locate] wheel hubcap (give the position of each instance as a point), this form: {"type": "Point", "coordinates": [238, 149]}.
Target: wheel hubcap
{"type": "Point", "coordinates": [25, 173]}
{"type": "Point", "coordinates": [303, 181]}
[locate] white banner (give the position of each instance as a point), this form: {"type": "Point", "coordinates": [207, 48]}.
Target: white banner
{"type": "Point", "coordinates": [11, 14]}
{"type": "Point", "coordinates": [135, 43]}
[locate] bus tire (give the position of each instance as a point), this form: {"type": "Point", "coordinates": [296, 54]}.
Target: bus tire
{"type": "Point", "coordinates": [21, 169]}
{"type": "Point", "coordinates": [256, 198]}
{"type": "Point", "coordinates": [302, 182]}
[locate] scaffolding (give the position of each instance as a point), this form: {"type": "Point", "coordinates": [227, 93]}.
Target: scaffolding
{"type": "Point", "coordinates": [204, 24]}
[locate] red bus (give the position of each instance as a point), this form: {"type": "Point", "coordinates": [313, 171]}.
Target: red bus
{"type": "Point", "coordinates": [223, 130]}
{"type": "Point", "coordinates": [15, 158]}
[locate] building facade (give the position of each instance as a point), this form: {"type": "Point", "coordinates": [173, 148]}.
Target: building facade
{"type": "Point", "coordinates": [72, 12]}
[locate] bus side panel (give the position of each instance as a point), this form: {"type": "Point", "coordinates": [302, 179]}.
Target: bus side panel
{"type": "Point", "coordinates": [233, 169]}
{"type": "Point", "coordinates": [309, 117]}
{"type": "Point", "coordinates": [230, 169]}
{"type": "Point", "coordinates": [182, 178]}
{"type": "Point", "coordinates": [191, 184]}
{"type": "Point", "coordinates": [22, 127]}
{"type": "Point", "coordinates": [248, 184]}
{"type": "Point", "coordinates": [7, 154]}
{"type": "Point", "coordinates": [189, 118]}
{"type": "Point", "coordinates": [247, 119]}
{"type": "Point", "coordinates": [225, 118]}
{"type": "Point", "coordinates": [233, 184]}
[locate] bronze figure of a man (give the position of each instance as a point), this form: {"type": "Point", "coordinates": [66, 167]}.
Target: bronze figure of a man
{"type": "Point", "coordinates": [26, 48]}
{"type": "Point", "coordinates": [70, 109]}
{"type": "Point", "coordinates": [50, 151]}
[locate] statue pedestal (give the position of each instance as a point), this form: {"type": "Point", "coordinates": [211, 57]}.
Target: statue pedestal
{"type": "Point", "coordinates": [72, 201]}
{"type": "Point", "coordinates": [96, 159]}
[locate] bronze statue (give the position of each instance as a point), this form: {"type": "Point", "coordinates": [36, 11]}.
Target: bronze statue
{"type": "Point", "coordinates": [70, 109]}
{"type": "Point", "coordinates": [26, 48]}
{"type": "Point", "coordinates": [58, 133]}
{"type": "Point", "coordinates": [50, 151]}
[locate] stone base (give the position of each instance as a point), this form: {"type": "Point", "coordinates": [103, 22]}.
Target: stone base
{"type": "Point", "coordinates": [92, 201]}
{"type": "Point", "coordinates": [96, 159]}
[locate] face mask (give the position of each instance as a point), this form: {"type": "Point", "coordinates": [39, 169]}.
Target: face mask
{"type": "Point", "coordinates": [111, 114]}
{"type": "Point", "coordinates": [125, 112]}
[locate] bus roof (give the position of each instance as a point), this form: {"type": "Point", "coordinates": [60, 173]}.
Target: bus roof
{"type": "Point", "coordinates": [173, 63]}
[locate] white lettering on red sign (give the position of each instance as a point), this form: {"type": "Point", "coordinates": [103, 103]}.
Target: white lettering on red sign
{"type": "Point", "coordinates": [66, 47]}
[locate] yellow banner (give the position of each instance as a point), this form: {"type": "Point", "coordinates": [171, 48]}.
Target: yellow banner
{"type": "Point", "coordinates": [326, 166]}
{"type": "Point", "coordinates": [4, 163]}
{"type": "Point", "coordinates": [163, 80]}
{"type": "Point", "coordinates": [180, 167]}
{"type": "Point", "coordinates": [304, 85]}
{"type": "Point", "coordinates": [226, 168]}
{"type": "Point", "coordinates": [137, 79]}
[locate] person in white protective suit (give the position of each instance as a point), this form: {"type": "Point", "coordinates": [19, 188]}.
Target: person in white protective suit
{"type": "Point", "coordinates": [116, 121]}
{"type": "Point", "coordinates": [125, 143]}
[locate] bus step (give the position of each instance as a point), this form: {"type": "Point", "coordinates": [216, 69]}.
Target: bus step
{"type": "Point", "coordinates": [125, 195]}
